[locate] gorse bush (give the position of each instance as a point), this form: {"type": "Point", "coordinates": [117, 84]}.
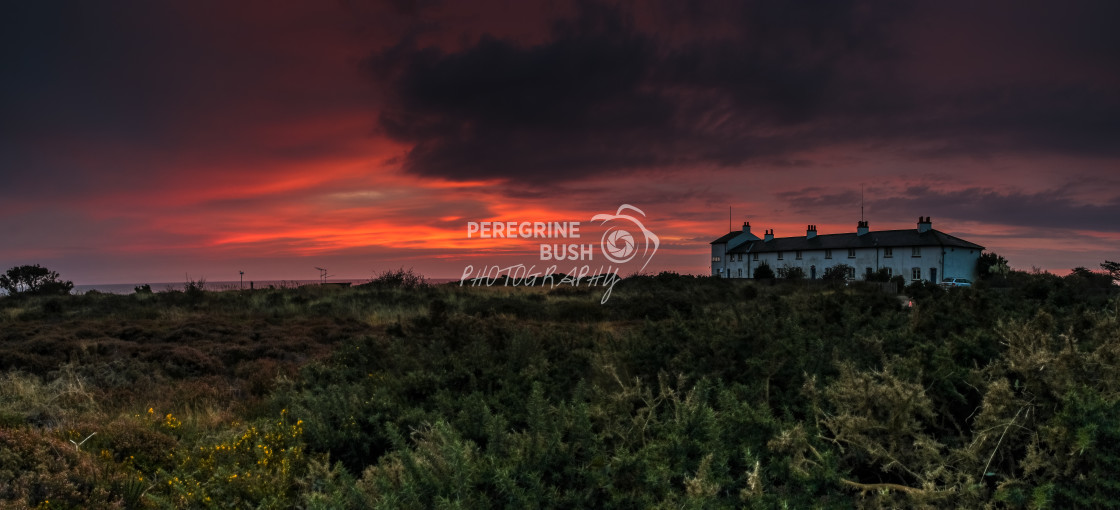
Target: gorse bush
{"type": "Point", "coordinates": [677, 392]}
{"type": "Point", "coordinates": [258, 466]}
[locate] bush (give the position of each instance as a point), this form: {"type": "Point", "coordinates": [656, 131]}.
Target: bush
{"type": "Point", "coordinates": [792, 273]}
{"type": "Point", "coordinates": [837, 273]}
{"type": "Point", "coordinates": [398, 279]}
{"type": "Point", "coordinates": [33, 280]}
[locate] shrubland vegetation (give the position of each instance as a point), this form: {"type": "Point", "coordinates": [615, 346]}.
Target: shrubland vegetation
{"type": "Point", "coordinates": [679, 392]}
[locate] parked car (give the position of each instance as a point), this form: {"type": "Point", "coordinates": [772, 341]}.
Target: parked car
{"type": "Point", "coordinates": [956, 282]}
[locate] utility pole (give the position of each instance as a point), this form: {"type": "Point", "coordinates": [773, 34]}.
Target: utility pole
{"type": "Point", "coordinates": [242, 279]}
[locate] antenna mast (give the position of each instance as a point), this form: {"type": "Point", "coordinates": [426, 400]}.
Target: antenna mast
{"type": "Point", "coordinates": [729, 218]}
{"type": "Point", "coordinates": [323, 275]}
{"type": "Point", "coordinates": [861, 203]}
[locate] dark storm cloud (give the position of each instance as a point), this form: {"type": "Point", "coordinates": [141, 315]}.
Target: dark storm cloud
{"type": "Point", "coordinates": [499, 110]}
{"type": "Point", "coordinates": [1046, 209]}
{"type": "Point", "coordinates": [621, 89]}
{"type": "Point", "coordinates": [105, 96]}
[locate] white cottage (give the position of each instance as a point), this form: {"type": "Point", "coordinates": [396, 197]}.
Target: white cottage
{"type": "Point", "coordinates": [917, 254]}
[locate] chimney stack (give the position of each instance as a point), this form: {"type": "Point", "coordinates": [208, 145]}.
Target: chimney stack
{"type": "Point", "coordinates": [924, 224]}
{"type": "Point", "coordinates": [862, 228]}
{"type": "Point", "coordinates": [810, 231]}
{"type": "Point", "coordinates": [746, 227]}
{"type": "Point", "coordinates": [769, 235]}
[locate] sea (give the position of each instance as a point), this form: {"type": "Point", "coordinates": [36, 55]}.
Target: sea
{"type": "Point", "coordinates": [129, 288]}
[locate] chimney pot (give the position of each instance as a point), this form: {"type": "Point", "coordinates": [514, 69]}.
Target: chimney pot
{"type": "Point", "coordinates": [924, 224]}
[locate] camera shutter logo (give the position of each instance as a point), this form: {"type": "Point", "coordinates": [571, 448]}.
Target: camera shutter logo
{"type": "Point", "coordinates": [619, 244]}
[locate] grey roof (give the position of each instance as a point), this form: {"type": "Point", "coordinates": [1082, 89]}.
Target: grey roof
{"type": "Point", "coordinates": [732, 235]}
{"type": "Point", "coordinates": [883, 238]}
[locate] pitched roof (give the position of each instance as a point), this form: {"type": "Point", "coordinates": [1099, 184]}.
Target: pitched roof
{"type": "Point", "coordinates": [883, 238]}
{"type": "Point", "coordinates": [732, 235]}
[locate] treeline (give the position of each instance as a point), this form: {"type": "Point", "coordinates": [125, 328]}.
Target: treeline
{"type": "Point", "coordinates": [677, 392]}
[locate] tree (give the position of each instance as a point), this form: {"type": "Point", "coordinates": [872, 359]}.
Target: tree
{"type": "Point", "coordinates": [763, 272]}
{"type": "Point", "coordinates": [1083, 277]}
{"type": "Point", "coordinates": [991, 265]}
{"type": "Point", "coordinates": [33, 280]}
{"type": "Point", "coordinates": [1113, 269]}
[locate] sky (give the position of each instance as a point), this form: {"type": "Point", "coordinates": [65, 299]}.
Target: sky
{"type": "Point", "coordinates": [156, 141]}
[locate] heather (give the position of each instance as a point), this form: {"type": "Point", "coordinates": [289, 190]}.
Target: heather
{"type": "Point", "coordinates": [678, 392]}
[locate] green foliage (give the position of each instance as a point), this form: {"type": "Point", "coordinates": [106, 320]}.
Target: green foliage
{"type": "Point", "coordinates": [837, 273]}
{"type": "Point", "coordinates": [678, 392]}
{"type": "Point", "coordinates": [792, 273]}
{"type": "Point", "coordinates": [763, 272]}
{"type": "Point", "coordinates": [33, 280]}
{"type": "Point", "coordinates": [258, 465]}
{"type": "Point", "coordinates": [882, 275]}
{"type": "Point", "coordinates": [1113, 270]}
{"type": "Point", "coordinates": [991, 265]}
{"type": "Point", "coordinates": [400, 278]}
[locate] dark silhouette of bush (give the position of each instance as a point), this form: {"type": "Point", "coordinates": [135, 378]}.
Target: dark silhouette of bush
{"type": "Point", "coordinates": [882, 275]}
{"type": "Point", "coordinates": [990, 265]}
{"type": "Point", "coordinates": [792, 273]}
{"type": "Point", "coordinates": [1113, 270]}
{"type": "Point", "coordinates": [33, 280]}
{"type": "Point", "coordinates": [837, 273]}
{"type": "Point", "coordinates": [399, 279]}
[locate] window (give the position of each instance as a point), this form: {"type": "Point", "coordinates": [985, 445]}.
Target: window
{"type": "Point", "coordinates": [715, 258]}
{"type": "Point", "coordinates": [888, 253]}
{"type": "Point", "coordinates": [755, 257]}
{"type": "Point", "coordinates": [740, 272]}
{"type": "Point", "coordinates": [851, 273]}
{"type": "Point", "coordinates": [740, 257]}
{"type": "Point", "coordinates": [779, 255]}
{"type": "Point", "coordinates": [851, 253]}
{"type": "Point", "coordinates": [916, 273]}
{"type": "Point", "coordinates": [828, 254]}
{"type": "Point", "coordinates": [917, 252]}
{"type": "Point", "coordinates": [889, 272]}
{"type": "Point", "coordinates": [797, 254]}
